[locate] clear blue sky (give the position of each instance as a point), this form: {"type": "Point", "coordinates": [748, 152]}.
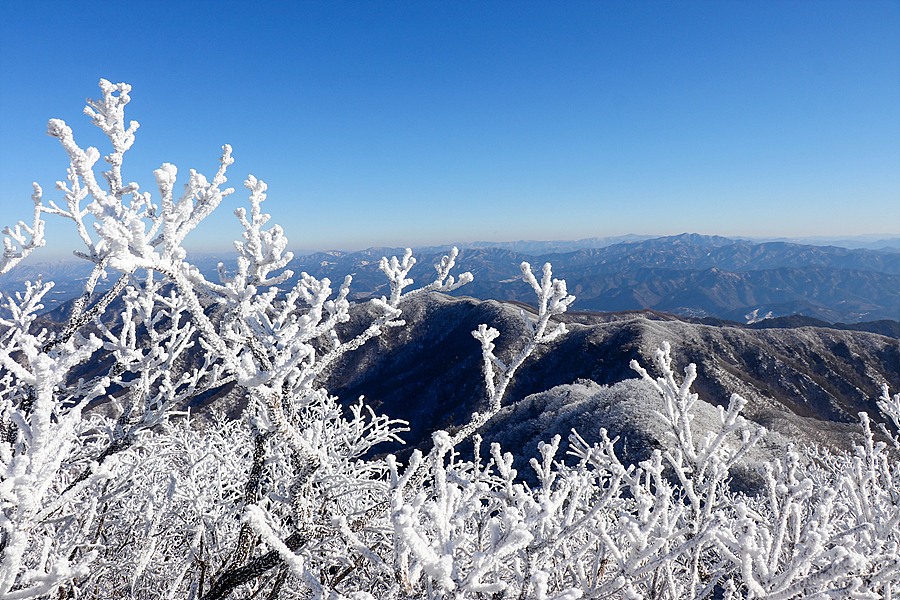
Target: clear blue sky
{"type": "Point", "coordinates": [388, 123]}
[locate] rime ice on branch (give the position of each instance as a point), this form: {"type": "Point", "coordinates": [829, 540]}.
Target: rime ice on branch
{"type": "Point", "coordinates": [59, 462]}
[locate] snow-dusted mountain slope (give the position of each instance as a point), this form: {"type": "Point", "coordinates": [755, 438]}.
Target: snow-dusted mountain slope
{"type": "Point", "coordinates": [805, 384]}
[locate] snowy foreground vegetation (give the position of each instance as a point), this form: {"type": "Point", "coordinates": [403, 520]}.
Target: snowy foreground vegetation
{"type": "Point", "coordinates": [288, 502]}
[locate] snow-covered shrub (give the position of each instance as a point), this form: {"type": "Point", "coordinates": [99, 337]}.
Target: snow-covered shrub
{"type": "Point", "coordinates": [139, 501]}
{"type": "Point", "coordinates": [140, 504]}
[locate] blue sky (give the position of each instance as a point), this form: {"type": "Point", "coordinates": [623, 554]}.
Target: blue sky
{"type": "Point", "coordinates": [394, 124]}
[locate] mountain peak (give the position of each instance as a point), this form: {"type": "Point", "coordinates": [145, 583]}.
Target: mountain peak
{"type": "Point", "coordinates": [697, 239]}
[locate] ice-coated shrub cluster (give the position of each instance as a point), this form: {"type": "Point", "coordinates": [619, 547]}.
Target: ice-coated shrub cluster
{"type": "Point", "coordinates": [285, 502]}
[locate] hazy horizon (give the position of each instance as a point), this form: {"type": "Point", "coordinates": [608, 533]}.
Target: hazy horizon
{"type": "Point", "coordinates": [867, 241]}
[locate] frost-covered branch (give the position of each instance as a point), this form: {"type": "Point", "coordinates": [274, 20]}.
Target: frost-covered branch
{"type": "Point", "coordinates": [13, 255]}
{"type": "Point", "coordinates": [553, 299]}
{"type": "Point", "coordinates": [396, 271]}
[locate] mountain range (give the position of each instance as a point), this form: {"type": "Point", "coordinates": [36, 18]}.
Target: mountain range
{"type": "Point", "coordinates": [804, 384]}
{"type": "Point", "coordinates": [805, 379]}
{"type": "Point", "coordinates": [688, 275]}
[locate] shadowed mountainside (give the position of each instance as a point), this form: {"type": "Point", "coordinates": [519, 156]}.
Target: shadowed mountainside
{"type": "Point", "coordinates": [804, 383]}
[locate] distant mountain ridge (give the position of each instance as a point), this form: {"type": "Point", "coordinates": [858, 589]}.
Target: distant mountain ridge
{"type": "Point", "coordinates": [690, 275]}
{"type": "Point", "coordinates": [883, 242]}
{"type": "Point", "coordinates": [535, 247]}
